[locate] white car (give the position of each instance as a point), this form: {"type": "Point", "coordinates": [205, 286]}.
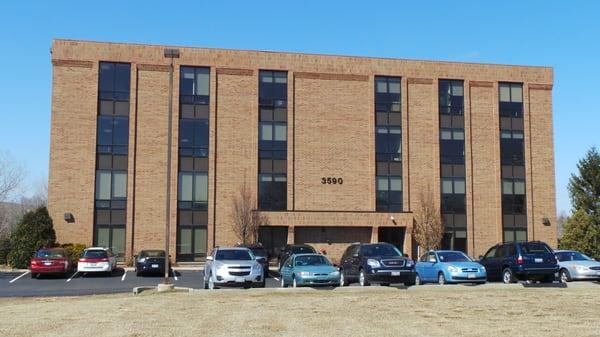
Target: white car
{"type": "Point", "coordinates": [233, 267]}
{"type": "Point", "coordinates": [576, 266]}
{"type": "Point", "coordinates": [97, 260]}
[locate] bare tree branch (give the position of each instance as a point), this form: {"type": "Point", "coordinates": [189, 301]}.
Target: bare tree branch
{"type": "Point", "coordinates": [246, 219]}
{"type": "Point", "coordinates": [428, 229]}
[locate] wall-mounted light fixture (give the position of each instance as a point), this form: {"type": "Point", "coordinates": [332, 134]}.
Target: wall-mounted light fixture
{"type": "Point", "coordinates": [546, 221]}
{"type": "Point", "coordinates": [393, 219]}
{"type": "Point", "coordinates": [69, 217]}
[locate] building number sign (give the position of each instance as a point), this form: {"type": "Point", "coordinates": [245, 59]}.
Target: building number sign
{"type": "Point", "coordinates": [332, 180]}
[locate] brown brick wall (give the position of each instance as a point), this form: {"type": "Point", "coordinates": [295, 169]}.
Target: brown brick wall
{"type": "Point", "coordinates": [330, 133]}
{"type": "Point", "coordinates": [334, 138]}
{"type": "Point", "coordinates": [72, 152]}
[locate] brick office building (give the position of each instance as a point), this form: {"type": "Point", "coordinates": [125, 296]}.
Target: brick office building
{"type": "Point", "coordinates": [336, 149]}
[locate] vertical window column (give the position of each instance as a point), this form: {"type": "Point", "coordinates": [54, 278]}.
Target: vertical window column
{"type": "Point", "coordinates": [452, 164]}
{"type": "Point", "coordinates": [192, 194]}
{"type": "Point", "coordinates": [112, 140]}
{"type": "Point", "coordinates": [512, 153]}
{"type": "Point", "coordinates": [388, 144]}
{"type": "Point", "coordinates": [272, 146]}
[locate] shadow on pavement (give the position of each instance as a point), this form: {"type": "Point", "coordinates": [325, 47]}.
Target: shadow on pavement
{"type": "Point", "coordinates": [544, 285]}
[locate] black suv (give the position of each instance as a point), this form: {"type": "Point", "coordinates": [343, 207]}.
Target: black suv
{"type": "Point", "coordinates": [509, 262]}
{"type": "Point", "coordinates": [290, 250]}
{"type": "Point", "coordinates": [379, 263]}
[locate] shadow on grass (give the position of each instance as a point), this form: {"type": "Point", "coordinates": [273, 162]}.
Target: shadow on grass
{"type": "Point", "coordinates": [544, 285]}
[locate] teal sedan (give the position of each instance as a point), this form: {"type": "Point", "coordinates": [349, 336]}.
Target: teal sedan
{"type": "Point", "coordinates": [309, 270]}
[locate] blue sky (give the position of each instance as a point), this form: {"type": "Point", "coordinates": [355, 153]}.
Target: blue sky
{"type": "Point", "coordinates": [564, 35]}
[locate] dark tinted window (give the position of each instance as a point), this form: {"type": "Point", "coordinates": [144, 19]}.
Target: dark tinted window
{"type": "Point", "coordinates": [535, 247]}
{"type": "Point", "coordinates": [453, 257]}
{"type": "Point", "coordinates": [95, 254]}
{"type": "Point", "coordinates": [259, 251]}
{"type": "Point", "coordinates": [491, 253]}
{"type": "Point", "coordinates": [312, 260]}
{"type": "Point", "coordinates": [303, 250]}
{"type": "Point", "coordinates": [380, 250]}
{"type": "Point", "coordinates": [233, 254]}
{"type": "Point", "coordinates": [50, 253]}
{"type": "Point", "coordinates": [572, 256]}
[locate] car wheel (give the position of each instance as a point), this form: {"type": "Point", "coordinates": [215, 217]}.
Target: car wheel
{"type": "Point", "coordinates": [417, 280]}
{"type": "Point", "coordinates": [441, 279]}
{"type": "Point", "coordinates": [34, 275]}
{"type": "Point", "coordinates": [294, 283]}
{"type": "Point", "coordinates": [343, 281]}
{"type": "Point", "coordinates": [507, 276]}
{"type": "Point", "coordinates": [283, 285]}
{"type": "Point", "coordinates": [565, 276]}
{"type": "Point", "coordinates": [362, 279]}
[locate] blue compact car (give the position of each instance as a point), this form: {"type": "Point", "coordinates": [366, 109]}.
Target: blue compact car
{"type": "Point", "coordinates": [309, 270]}
{"type": "Point", "coordinates": [448, 266]}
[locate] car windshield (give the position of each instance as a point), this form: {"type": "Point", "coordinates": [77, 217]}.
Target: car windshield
{"type": "Point", "coordinates": [380, 250]}
{"type": "Point", "coordinates": [50, 253]}
{"type": "Point", "coordinates": [234, 254]}
{"type": "Point", "coordinates": [453, 257]}
{"type": "Point", "coordinates": [533, 247]}
{"type": "Point", "coordinates": [572, 256]}
{"type": "Point", "coordinates": [95, 254]}
{"type": "Point", "coordinates": [302, 250]}
{"type": "Point", "coordinates": [312, 260]}
{"type": "Point", "coordinates": [153, 253]}
{"type": "Point", "coordinates": [258, 251]}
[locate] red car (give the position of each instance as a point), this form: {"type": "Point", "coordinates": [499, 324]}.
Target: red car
{"type": "Point", "coordinates": [50, 261]}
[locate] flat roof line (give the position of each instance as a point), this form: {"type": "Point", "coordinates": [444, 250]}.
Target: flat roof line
{"type": "Point", "coordinates": [303, 53]}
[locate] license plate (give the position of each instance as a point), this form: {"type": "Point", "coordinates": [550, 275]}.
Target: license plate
{"type": "Point", "coordinates": [395, 273]}
{"type": "Point", "coordinates": [155, 266]}
{"type": "Point", "coordinates": [47, 263]}
{"type": "Point", "coordinates": [538, 260]}
{"type": "Point", "coordinates": [91, 264]}
{"type": "Point", "coordinates": [471, 275]}
{"type": "Point", "coordinates": [239, 280]}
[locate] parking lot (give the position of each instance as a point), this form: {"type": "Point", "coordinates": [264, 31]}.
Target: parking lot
{"type": "Point", "coordinates": [20, 284]}
{"type": "Point", "coordinates": [121, 281]}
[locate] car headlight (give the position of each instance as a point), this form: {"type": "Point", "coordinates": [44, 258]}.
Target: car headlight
{"type": "Point", "coordinates": [373, 263]}
{"type": "Point", "coordinates": [256, 268]}
{"type": "Point", "coordinates": [452, 269]}
{"type": "Point", "coordinates": [220, 269]}
{"type": "Point", "coordinates": [581, 268]}
{"type": "Point", "coordinates": [482, 268]}
{"type": "Point", "coordinates": [409, 263]}
{"type": "Point", "coordinates": [142, 260]}
{"type": "Point", "coordinates": [303, 273]}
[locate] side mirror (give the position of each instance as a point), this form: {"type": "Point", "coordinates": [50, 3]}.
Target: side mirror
{"type": "Point", "coordinates": [260, 259]}
{"type": "Point", "coordinates": [405, 255]}
{"type": "Point", "coordinates": [209, 258]}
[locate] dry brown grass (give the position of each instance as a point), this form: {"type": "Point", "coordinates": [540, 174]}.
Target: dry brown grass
{"type": "Point", "coordinates": [488, 310]}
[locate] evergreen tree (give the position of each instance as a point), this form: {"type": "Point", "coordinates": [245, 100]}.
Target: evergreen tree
{"type": "Point", "coordinates": [582, 230]}
{"type": "Point", "coordinates": [33, 232]}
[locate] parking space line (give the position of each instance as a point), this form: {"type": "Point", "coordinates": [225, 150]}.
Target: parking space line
{"type": "Point", "coordinates": [124, 274]}
{"type": "Point", "coordinates": [175, 275]}
{"type": "Point", "coordinates": [18, 277]}
{"type": "Point", "coordinates": [276, 279]}
{"type": "Point", "coordinates": [70, 278]}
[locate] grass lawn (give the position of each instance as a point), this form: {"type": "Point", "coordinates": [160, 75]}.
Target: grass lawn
{"type": "Point", "coordinates": [489, 310]}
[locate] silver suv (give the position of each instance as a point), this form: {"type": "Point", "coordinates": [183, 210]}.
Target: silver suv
{"type": "Point", "coordinates": [233, 267]}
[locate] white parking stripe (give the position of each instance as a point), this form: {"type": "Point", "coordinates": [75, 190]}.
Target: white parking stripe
{"type": "Point", "coordinates": [175, 275]}
{"type": "Point", "coordinates": [70, 278]}
{"type": "Point", "coordinates": [276, 279]}
{"type": "Point", "coordinates": [18, 277]}
{"type": "Point", "coordinates": [124, 274]}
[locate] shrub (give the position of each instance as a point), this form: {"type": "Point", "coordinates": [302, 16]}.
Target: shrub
{"type": "Point", "coordinates": [33, 232]}
{"type": "Point", "coordinates": [4, 248]}
{"type": "Point", "coordinates": [74, 251]}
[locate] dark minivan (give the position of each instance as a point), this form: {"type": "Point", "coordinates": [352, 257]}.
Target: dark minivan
{"type": "Point", "coordinates": [290, 250]}
{"type": "Point", "coordinates": [380, 263]}
{"type": "Point", "coordinates": [509, 262]}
